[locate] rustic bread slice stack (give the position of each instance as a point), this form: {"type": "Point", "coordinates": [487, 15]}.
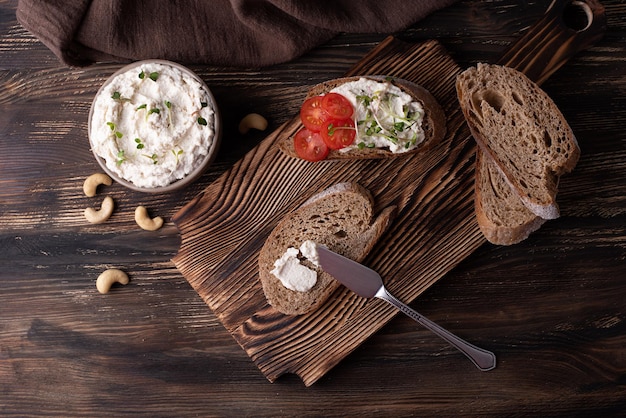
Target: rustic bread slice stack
{"type": "Point", "coordinates": [341, 218]}
{"type": "Point", "coordinates": [523, 138]}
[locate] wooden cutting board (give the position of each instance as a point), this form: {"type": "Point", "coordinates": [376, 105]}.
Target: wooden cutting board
{"type": "Point", "coordinates": [225, 226]}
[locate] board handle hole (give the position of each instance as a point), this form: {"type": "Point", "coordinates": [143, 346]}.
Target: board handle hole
{"type": "Point", "coordinates": [577, 15]}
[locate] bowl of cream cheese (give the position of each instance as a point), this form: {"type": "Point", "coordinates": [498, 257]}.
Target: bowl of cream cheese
{"type": "Point", "coordinates": [154, 126]}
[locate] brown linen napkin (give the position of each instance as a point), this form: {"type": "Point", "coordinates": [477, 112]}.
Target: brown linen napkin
{"type": "Point", "coordinates": [237, 33]}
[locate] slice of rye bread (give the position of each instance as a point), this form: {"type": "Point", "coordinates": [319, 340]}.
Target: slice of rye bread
{"type": "Point", "coordinates": [434, 123]}
{"type": "Point", "coordinates": [501, 215]}
{"type": "Point", "coordinates": [341, 218]}
{"type": "Point", "coordinates": [520, 130]}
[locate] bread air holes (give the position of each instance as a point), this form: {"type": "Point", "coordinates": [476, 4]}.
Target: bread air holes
{"type": "Point", "coordinates": [517, 98]}
{"type": "Point", "coordinates": [491, 97]}
{"type": "Point", "coordinates": [547, 139]}
{"type": "Point", "coordinates": [341, 234]}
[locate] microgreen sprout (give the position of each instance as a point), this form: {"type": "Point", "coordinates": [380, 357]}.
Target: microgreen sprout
{"type": "Point", "coordinates": [168, 104]}
{"type": "Point", "coordinates": [142, 106]}
{"type": "Point", "coordinates": [117, 133]}
{"type": "Point", "coordinates": [152, 76]}
{"type": "Point", "coordinates": [140, 144]}
{"type": "Point", "coordinates": [118, 96]}
{"type": "Point", "coordinates": [202, 121]}
{"type": "Point", "coordinates": [177, 154]}
{"type": "Point", "coordinates": [153, 157]}
{"type": "Point", "coordinates": [120, 157]}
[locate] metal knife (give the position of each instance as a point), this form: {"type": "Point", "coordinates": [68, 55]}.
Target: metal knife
{"type": "Point", "coordinates": [367, 283]}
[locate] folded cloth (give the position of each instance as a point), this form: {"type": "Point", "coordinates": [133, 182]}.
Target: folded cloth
{"type": "Point", "coordinates": [237, 33]}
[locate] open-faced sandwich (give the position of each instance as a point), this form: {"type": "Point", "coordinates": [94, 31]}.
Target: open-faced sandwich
{"type": "Point", "coordinates": [365, 117]}
{"type": "Point", "coordinates": [340, 218]}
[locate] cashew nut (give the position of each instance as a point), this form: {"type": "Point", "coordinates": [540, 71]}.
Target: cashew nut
{"type": "Point", "coordinates": [252, 120]}
{"type": "Point", "coordinates": [108, 277]}
{"type": "Point", "coordinates": [98, 216]}
{"type": "Point", "coordinates": [92, 182]}
{"type": "Point", "coordinates": [145, 222]}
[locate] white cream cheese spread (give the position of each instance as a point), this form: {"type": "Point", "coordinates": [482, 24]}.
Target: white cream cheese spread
{"type": "Point", "coordinates": [384, 116]}
{"type": "Point", "coordinates": [153, 124]}
{"type": "Point", "coordinates": [292, 273]}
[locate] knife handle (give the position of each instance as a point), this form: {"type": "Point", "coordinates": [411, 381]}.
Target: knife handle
{"type": "Point", "coordinates": [483, 359]}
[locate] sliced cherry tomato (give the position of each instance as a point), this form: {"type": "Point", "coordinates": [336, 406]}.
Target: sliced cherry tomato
{"type": "Point", "coordinates": [337, 106]}
{"type": "Point", "coordinates": [338, 134]}
{"type": "Point", "coordinates": [312, 115]}
{"type": "Point", "coordinates": [309, 145]}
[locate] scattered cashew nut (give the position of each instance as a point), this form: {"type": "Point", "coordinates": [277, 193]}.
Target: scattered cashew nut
{"type": "Point", "coordinates": [108, 277]}
{"type": "Point", "coordinates": [98, 216]}
{"type": "Point", "coordinates": [92, 182]}
{"type": "Point", "coordinates": [252, 120]}
{"type": "Point", "coordinates": [145, 222]}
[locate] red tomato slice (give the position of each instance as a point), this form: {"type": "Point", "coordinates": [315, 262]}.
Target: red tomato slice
{"type": "Point", "coordinates": [310, 145]}
{"type": "Point", "coordinates": [338, 134]}
{"type": "Point", "coordinates": [337, 106]}
{"type": "Point", "coordinates": [312, 115]}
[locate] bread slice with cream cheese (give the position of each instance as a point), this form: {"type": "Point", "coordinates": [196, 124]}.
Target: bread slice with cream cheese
{"type": "Point", "coordinates": [433, 124]}
{"type": "Point", "coordinates": [341, 218]}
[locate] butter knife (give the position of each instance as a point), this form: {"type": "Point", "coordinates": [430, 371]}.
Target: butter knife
{"type": "Point", "coordinates": [367, 283]}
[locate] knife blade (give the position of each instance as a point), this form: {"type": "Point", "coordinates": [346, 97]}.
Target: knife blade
{"type": "Point", "coordinates": [367, 283]}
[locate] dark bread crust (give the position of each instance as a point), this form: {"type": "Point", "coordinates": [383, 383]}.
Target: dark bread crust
{"type": "Point", "coordinates": [434, 123]}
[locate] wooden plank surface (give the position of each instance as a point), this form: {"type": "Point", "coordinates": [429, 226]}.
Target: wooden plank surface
{"type": "Point", "coordinates": [552, 307]}
{"type": "Point", "coordinates": [224, 229]}
{"type": "Point", "coordinates": [419, 248]}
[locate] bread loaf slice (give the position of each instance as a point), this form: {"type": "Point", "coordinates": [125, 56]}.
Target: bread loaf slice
{"type": "Point", "coordinates": [520, 129]}
{"type": "Point", "coordinates": [501, 215]}
{"type": "Point", "coordinates": [434, 123]}
{"type": "Point", "coordinates": [341, 218]}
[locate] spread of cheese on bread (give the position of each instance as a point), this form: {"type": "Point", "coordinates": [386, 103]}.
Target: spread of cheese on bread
{"type": "Point", "coordinates": [292, 273]}
{"type": "Point", "coordinates": [384, 115]}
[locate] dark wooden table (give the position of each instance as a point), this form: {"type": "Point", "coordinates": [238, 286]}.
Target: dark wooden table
{"type": "Point", "coordinates": [553, 308]}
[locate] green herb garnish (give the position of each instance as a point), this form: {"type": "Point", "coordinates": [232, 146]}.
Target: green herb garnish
{"type": "Point", "coordinates": [202, 121]}
{"type": "Point", "coordinates": [168, 104]}
{"type": "Point", "coordinates": [140, 145]}
{"type": "Point", "coordinates": [153, 75]}
{"type": "Point", "coordinates": [118, 96]}
{"type": "Point", "coordinates": [143, 106]}
{"type": "Point", "coordinates": [153, 157]}
{"type": "Point", "coordinates": [398, 126]}
{"type": "Point", "coordinates": [120, 157]}
{"type": "Point", "coordinates": [115, 132]}
{"type": "Point", "coordinates": [177, 154]}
